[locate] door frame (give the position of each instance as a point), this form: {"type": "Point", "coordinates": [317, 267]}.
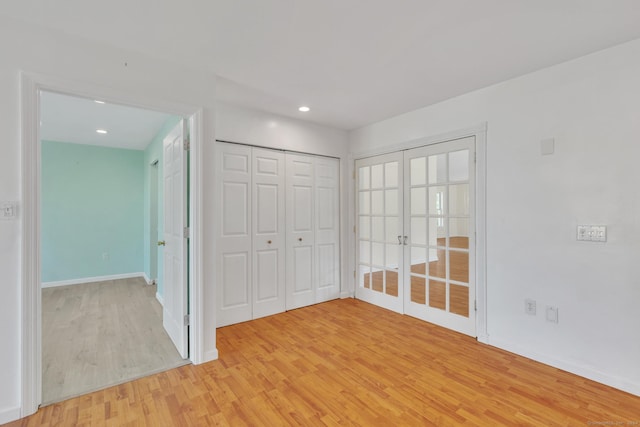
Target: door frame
{"type": "Point", "coordinates": [479, 131]}
{"type": "Point", "coordinates": [153, 219]}
{"type": "Point", "coordinates": [31, 85]}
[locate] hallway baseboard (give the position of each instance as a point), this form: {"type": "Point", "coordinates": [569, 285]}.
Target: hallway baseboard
{"type": "Point", "coordinates": [93, 279]}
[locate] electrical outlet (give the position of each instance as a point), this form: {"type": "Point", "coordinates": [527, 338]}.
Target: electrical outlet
{"type": "Point", "coordinates": [592, 233]}
{"type": "Point", "coordinates": [552, 314]}
{"type": "Point", "coordinates": [530, 306]}
{"type": "Point", "coordinates": [105, 256]}
{"type": "Point", "coordinates": [8, 210]}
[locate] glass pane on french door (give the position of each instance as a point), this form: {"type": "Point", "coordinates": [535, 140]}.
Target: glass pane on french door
{"type": "Point", "coordinates": [379, 230]}
{"type": "Point", "coordinates": [439, 222]}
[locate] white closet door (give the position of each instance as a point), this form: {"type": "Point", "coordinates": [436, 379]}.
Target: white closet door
{"type": "Point", "coordinates": [300, 231]}
{"type": "Point", "coordinates": [233, 233]}
{"type": "Point", "coordinates": [268, 172]}
{"type": "Point", "coordinates": [327, 228]}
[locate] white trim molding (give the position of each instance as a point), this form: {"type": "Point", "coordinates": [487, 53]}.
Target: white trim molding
{"type": "Point", "coordinates": [160, 299]}
{"type": "Point", "coordinates": [31, 352]}
{"type": "Point", "coordinates": [146, 278]}
{"type": "Point", "coordinates": [196, 248]}
{"type": "Point", "coordinates": [8, 415]}
{"type": "Point", "coordinates": [567, 365]}
{"type": "Point", "coordinates": [93, 279]}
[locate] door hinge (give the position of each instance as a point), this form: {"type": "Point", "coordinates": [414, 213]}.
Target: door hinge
{"type": "Point", "coordinates": [354, 228]}
{"type": "Point", "coordinates": [186, 320]}
{"type": "Point", "coordinates": [186, 233]}
{"type": "Point", "coordinates": [475, 305]}
{"type": "Point", "coordinates": [186, 144]}
{"type": "Point", "coordinates": [354, 174]}
{"type": "Point", "coordinates": [354, 274]}
{"type": "Point", "coordinates": [475, 157]}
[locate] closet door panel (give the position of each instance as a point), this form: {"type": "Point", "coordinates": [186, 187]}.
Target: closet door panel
{"type": "Point", "coordinates": [327, 228]}
{"type": "Point", "coordinates": [300, 232]}
{"type": "Point", "coordinates": [233, 234]}
{"type": "Point", "coordinates": [268, 224]}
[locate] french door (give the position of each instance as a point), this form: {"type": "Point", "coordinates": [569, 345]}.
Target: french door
{"type": "Point", "coordinates": [380, 233]}
{"type": "Point", "coordinates": [416, 233]}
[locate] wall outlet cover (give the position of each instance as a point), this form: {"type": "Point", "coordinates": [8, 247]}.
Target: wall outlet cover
{"type": "Point", "coordinates": [8, 210]}
{"type": "Point", "coordinates": [530, 306]}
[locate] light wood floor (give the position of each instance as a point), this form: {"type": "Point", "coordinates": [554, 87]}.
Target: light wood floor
{"type": "Point", "coordinates": [99, 334]}
{"type": "Point", "coordinates": [347, 362]}
{"type": "Point", "coordinates": [387, 281]}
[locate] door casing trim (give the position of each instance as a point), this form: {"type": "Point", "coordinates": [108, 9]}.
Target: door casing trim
{"type": "Point", "coordinates": [31, 84]}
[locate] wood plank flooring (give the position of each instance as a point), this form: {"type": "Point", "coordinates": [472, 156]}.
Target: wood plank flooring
{"type": "Point", "coordinates": [99, 334]}
{"type": "Point", "coordinates": [347, 362]}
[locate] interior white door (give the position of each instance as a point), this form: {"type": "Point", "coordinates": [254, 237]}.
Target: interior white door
{"type": "Point", "coordinates": [380, 234]}
{"type": "Point", "coordinates": [327, 228]}
{"type": "Point", "coordinates": [439, 221]}
{"type": "Point", "coordinates": [301, 281]}
{"type": "Point", "coordinates": [175, 248]}
{"type": "Point", "coordinates": [233, 233]}
{"type": "Point", "coordinates": [268, 218]}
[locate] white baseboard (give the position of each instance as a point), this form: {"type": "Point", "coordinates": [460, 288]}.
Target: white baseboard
{"type": "Point", "coordinates": [146, 278]}
{"type": "Point", "coordinates": [484, 339]}
{"type": "Point", "coordinates": [91, 280]}
{"type": "Point", "coordinates": [160, 299]}
{"type": "Point", "coordinates": [8, 415]}
{"type": "Point", "coordinates": [210, 355]}
{"type": "Point", "coordinates": [347, 294]}
{"type": "Point", "coordinates": [568, 365]}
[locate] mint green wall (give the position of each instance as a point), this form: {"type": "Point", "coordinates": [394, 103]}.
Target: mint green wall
{"type": "Point", "coordinates": [92, 204]}
{"type": "Point", "coordinates": [152, 153]}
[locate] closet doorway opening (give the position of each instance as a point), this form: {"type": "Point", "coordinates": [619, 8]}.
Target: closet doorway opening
{"type": "Point", "coordinates": [277, 231]}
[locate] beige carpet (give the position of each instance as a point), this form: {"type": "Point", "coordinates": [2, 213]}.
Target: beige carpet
{"type": "Point", "coordinates": [100, 334]}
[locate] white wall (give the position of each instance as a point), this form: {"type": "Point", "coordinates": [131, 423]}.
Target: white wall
{"type": "Point", "coordinates": [247, 126]}
{"type": "Point", "coordinates": [534, 203]}
{"type": "Point", "coordinates": [237, 124]}
{"type": "Point", "coordinates": [34, 50]}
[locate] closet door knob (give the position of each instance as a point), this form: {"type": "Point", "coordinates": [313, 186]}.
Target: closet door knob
{"type": "Point", "coordinates": [299, 239]}
{"type": "Point", "coordinates": [269, 241]}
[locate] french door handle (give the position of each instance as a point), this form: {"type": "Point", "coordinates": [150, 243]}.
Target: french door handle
{"type": "Point", "coordinates": [399, 240]}
{"type": "Point", "coordinates": [405, 240]}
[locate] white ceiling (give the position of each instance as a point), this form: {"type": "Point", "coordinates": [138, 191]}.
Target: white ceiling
{"type": "Point", "coordinates": [353, 62]}
{"type": "Point", "coordinates": [70, 119]}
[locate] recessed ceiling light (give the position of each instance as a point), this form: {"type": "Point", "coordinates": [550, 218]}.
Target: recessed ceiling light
{"type": "Point", "coordinates": [304, 109]}
{"type": "Point", "coordinates": [102, 131]}
{"type": "Point", "coordinates": [98, 102]}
